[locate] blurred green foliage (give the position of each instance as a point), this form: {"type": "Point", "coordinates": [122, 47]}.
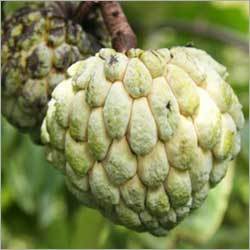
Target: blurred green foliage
{"type": "Point", "coordinates": [37, 210]}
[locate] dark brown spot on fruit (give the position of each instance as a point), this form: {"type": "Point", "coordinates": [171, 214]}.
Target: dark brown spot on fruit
{"type": "Point", "coordinates": [168, 106]}
{"type": "Point", "coordinates": [33, 62]}
{"type": "Point", "coordinates": [113, 59]}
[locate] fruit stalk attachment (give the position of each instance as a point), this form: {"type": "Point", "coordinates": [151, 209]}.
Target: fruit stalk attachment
{"type": "Point", "coordinates": [122, 35]}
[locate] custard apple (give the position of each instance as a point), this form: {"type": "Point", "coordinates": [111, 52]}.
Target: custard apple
{"type": "Point", "coordinates": [38, 44]}
{"type": "Point", "coordinates": [143, 136]}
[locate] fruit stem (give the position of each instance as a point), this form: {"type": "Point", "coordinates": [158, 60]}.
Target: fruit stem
{"type": "Point", "coordinates": [122, 35]}
{"type": "Point", "coordinates": [83, 10]}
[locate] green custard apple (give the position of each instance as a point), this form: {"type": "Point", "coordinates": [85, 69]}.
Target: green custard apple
{"type": "Point", "coordinates": [38, 44]}
{"type": "Point", "coordinates": [143, 136]}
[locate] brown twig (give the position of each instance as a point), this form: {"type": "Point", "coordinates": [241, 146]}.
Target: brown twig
{"type": "Point", "coordinates": [122, 35]}
{"type": "Point", "coordinates": [83, 10]}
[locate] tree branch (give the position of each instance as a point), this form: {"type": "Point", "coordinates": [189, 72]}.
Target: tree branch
{"type": "Point", "coordinates": [83, 10]}
{"type": "Point", "coordinates": [205, 30]}
{"type": "Point", "coordinates": [122, 35]}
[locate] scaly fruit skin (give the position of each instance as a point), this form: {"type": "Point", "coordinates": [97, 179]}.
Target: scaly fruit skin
{"type": "Point", "coordinates": [143, 137]}
{"type": "Point", "coordinates": [38, 44]}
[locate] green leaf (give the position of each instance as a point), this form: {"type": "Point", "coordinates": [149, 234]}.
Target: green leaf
{"type": "Point", "coordinates": [89, 229]}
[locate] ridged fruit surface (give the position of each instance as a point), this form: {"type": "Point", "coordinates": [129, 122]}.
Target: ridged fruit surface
{"type": "Point", "coordinates": [142, 137]}
{"type": "Point", "coordinates": [38, 44]}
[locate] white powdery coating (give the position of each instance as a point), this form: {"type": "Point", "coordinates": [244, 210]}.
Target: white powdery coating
{"type": "Point", "coordinates": [116, 111]}
{"type": "Point", "coordinates": [182, 147]}
{"type": "Point", "coordinates": [79, 118]}
{"type": "Point", "coordinates": [137, 79]}
{"type": "Point", "coordinates": [164, 107]}
{"type": "Point", "coordinates": [144, 136]}
{"type": "Point", "coordinates": [142, 133]}
{"type": "Point", "coordinates": [120, 163]}
{"type": "Point", "coordinates": [207, 121]}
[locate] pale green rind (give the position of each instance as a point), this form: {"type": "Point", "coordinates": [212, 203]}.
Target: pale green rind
{"type": "Point", "coordinates": [183, 211]}
{"type": "Point", "coordinates": [236, 145]}
{"type": "Point", "coordinates": [116, 111]}
{"type": "Point", "coordinates": [84, 73]}
{"type": "Point", "coordinates": [200, 170]}
{"type": "Point", "coordinates": [86, 198]}
{"type": "Point", "coordinates": [206, 60]}
{"type": "Point", "coordinates": [63, 94]}
{"type": "Point", "coordinates": [127, 216]}
{"type": "Point", "coordinates": [115, 65]}
{"type": "Point", "coordinates": [157, 201]}
{"type": "Point", "coordinates": [120, 163]}
{"type": "Point", "coordinates": [219, 90]}
{"type": "Point", "coordinates": [13, 112]}
{"type": "Point", "coordinates": [236, 113]}
{"type": "Point", "coordinates": [132, 141]}
{"type": "Point", "coordinates": [200, 196]}
{"type": "Point", "coordinates": [34, 92]}
{"type": "Point", "coordinates": [153, 167]}
{"type": "Point", "coordinates": [224, 148]}
{"type": "Point", "coordinates": [53, 80]}
{"type": "Point", "coordinates": [105, 53]}
{"type": "Point", "coordinates": [154, 62]}
{"type": "Point", "coordinates": [207, 121]}
{"type": "Point", "coordinates": [137, 79]}
{"type": "Point", "coordinates": [152, 224]}
{"type": "Point", "coordinates": [101, 188]}
{"type": "Point", "coordinates": [178, 186]}
{"type": "Point", "coordinates": [108, 211]}
{"type": "Point", "coordinates": [182, 147]}
{"type": "Point", "coordinates": [132, 53]}
{"type": "Point", "coordinates": [17, 30]}
{"type": "Point", "coordinates": [56, 157]}
{"type": "Point", "coordinates": [219, 171]}
{"type": "Point", "coordinates": [78, 120]}
{"type": "Point", "coordinates": [134, 194]}
{"type": "Point", "coordinates": [61, 49]}
{"type": "Point", "coordinates": [191, 65]}
{"type": "Point", "coordinates": [12, 82]}
{"type": "Point", "coordinates": [75, 68]}
{"type": "Point", "coordinates": [98, 139]}
{"type": "Point", "coordinates": [44, 56]}
{"type": "Point", "coordinates": [142, 128]}
{"type": "Point", "coordinates": [165, 54]}
{"type": "Point", "coordinates": [164, 107]}
{"type": "Point", "coordinates": [45, 138]}
{"type": "Point", "coordinates": [183, 88]}
{"type": "Point", "coordinates": [79, 181]}
{"type": "Point", "coordinates": [98, 86]}
{"type": "Point", "coordinates": [148, 220]}
{"type": "Point", "coordinates": [78, 155]}
{"type": "Point", "coordinates": [56, 132]}
{"type": "Point", "coordinates": [169, 220]}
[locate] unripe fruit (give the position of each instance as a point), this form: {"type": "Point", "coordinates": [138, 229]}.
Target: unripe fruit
{"type": "Point", "coordinates": [38, 44]}
{"type": "Point", "coordinates": [143, 137]}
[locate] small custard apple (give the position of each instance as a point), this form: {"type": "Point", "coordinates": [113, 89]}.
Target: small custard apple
{"type": "Point", "coordinates": [38, 44]}
{"type": "Point", "coordinates": [143, 136]}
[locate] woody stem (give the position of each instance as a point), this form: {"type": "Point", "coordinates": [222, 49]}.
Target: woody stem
{"type": "Point", "coordinates": [122, 35]}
